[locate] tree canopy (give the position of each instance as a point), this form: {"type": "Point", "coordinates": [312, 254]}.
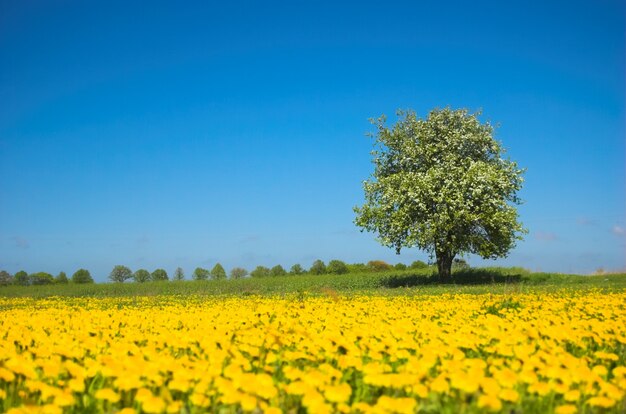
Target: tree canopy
{"type": "Point", "coordinates": [120, 274]}
{"type": "Point", "coordinates": [442, 184]}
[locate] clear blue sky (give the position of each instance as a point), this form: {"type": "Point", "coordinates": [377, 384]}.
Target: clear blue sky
{"type": "Point", "coordinates": [157, 134]}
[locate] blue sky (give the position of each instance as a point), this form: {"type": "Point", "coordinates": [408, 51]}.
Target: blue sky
{"type": "Point", "coordinates": [165, 134]}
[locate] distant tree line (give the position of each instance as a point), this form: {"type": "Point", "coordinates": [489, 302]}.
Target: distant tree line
{"type": "Point", "coordinates": [121, 273]}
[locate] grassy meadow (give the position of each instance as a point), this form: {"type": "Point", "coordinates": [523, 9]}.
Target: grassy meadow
{"type": "Point", "coordinates": [477, 280]}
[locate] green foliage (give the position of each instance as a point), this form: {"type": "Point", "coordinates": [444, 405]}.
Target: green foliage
{"type": "Point", "coordinates": [418, 264]}
{"type": "Point", "coordinates": [318, 268]}
{"type": "Point", "coordinates": [61, 278]}
{"type": "Point", "coordinates": [41, 278]}
{"type": "Point", "coordinates": [378, 266]}
{"type": "Point", "coordinates": [296, 269]}
{"type": "Point", "coordinates": [337, 267]}
{"type": "Point", "coordinates": [82, 276]}
{"type": "Point", "coordinates": [260, 271]}
{"type": "Point", "coordinates": [159, 275]}
{"type": "Point", "coordinates": [238, 273]}
{"type": "Point", "coordinates": [200, 274]}
{"type": "Point", "coordinates": [120, 274]}
{"type": "Point", "coordinates": [277, 271]}
{"type": "Point", "coordinates": [218, 272]}
{"type": "Point", "coordinates": [5, 278]}
{"type": "Point", "coordinates": [442, 184]}
{"type": "Point", "coordinates": [357, 268]}
{"type": "Point", "coordinates": [142, 276]}
{"type": "Point", "coordinates": [400, 266]}
{"type": "Point", "coordinates": [179, 274]}
{"type": "Point", "coordinates": [21, 278]}
{"type": "Point", "coordinates": [460, 264]}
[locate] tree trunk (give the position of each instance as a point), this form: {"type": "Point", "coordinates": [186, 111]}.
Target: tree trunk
{"type": "Point", "coordinates": [444, 266]}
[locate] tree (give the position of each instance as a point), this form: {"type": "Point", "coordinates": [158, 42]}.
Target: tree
{"type": "Point", "coordinates": [337, 267]}
{"type": "Point", "coordinates": [399, 266]}
{"type": "Point", "coordinates": [21, 278]}
{"type": "Point", "coordinates": [200, 274]}
{"type": "Point", "coordinates": [277, 270]}
{"type": "Point", "coordinates": [238, 273]}
{"type": "Point", "coordinates": [141, 276]}
{"type": "Point", "coordinates": [41, 278]}
{"type": "Point", "coordinates": [260, 271]}
{"type": "Point", "coordinates": [159, 275]}
{"type": "Point", "coordinates": [61, 279]}
{"type": "Point", "coordinates": [317, 268]}
{"type": "Point", "coordinates": [378, 266]}
{"type": "Point", "coordinates": [120, 274]}
{"type": "Point", "coordinates": [5, 278]}
{"type": "Point", "coordinates": [418, 264]}
{"type": "Point", "coordinates": [441, 184]}
{"type": "Point", "coordinates": [179, 274]}
{"type": "Point", "coordinates": [460, 264]}
{"type": "Point", "coordinates": [218, 272]}
{"type": "Point", "coordinates": [296, 269]}
{"type": "Point", "coordinates": [82, 276]}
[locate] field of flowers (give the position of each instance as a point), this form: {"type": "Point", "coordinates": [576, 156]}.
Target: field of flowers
{"type": "Point", "coordinates": [561, 352]}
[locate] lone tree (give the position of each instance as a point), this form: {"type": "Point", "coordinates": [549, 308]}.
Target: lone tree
{"type": "Point", "coordinates": [82, 276]}
{"type": "Point", "coordinates": [179, 274]}
{"type": "Point", "coordinates": [442, 184]}
{"type": "Point", "coordinates": [142, 276]}
{"type": "Point", "coordinates": [159, 275]}
{"type": "Point", "coordinates": [200, 274]}
{"type": "Point", "coordinates": [218, 272]}
{"type": "Point", "coordinates": [120, 274]}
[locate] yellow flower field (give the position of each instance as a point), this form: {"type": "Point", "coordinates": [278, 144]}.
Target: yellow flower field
{"type": "Point", "coordinates": [560, 352]}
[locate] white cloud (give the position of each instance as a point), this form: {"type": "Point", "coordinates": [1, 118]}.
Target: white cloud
{"type": "Point", "coordinates": [618, 230]}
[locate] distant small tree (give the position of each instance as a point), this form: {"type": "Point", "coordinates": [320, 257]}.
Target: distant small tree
{"type": "Point", "coordinates": [460, 264]}
{"type": "Point", "coordinates": [179, 274]}
{"type": "Point", "coordinates": [141, 276]}
{"type": "Point", "coordinates": [318, 268]}
{"type": "Point", "coordinates": [41, 278]}
{"type": "Point", "coordinates": [21, 278]}
{"type": "Point", "coordinates": [337, 267]}
{"type": "Point", "coordinates": [82, 276]}
{"type": "Point", "coordinates": [218, 272]}
{"type": "Point", "coordinates": [120, 274]}
{"type": "Point", "coordinates": [260, 271]}
{"type": "Point", "coordinates": [418, 264]}
{"type": "Point", "coordinates": [399, 266]}
{"type": "Point", "coordinates": [357, 268]}
{"type": "Point", "coordinates": [200, 274]}
{"type": "Point", "coordinates": [378, 266]}
{"type": "Point", "coordinates": [238, 273]}
{"type": "Point", "coordinates": [277, 270]}
{"type": "Point", "coordinates": [296, 269]}
{"type": "Point", "coordinates": [61, 279]}
{"type": "Point", "coordinates": [159, 275]}
{"type": "Point", "coordinates": [5, 278]}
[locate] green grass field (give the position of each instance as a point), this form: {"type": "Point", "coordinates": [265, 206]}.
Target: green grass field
{"type": "Point", "coordinates": [480, 280]}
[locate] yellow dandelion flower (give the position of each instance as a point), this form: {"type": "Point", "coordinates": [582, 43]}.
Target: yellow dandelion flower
{"type": "Point", "coordinates": [489, 402]}
{"type": "Point", "coordinates": [572, 396]}
{"type": "Point", "coordinates": [64, 399]}
{"type": "Point", "coordinates": [603, 402]}
{"type": "Point", "coordinates": [338, 393]}
{"type": "Point", "coordinates": [107, 394]}
{"type": "Point", "coordinates": [153, 404]}
{"type": "Point", "coordinates": [509, 395]}
{"type": "Point", "coordinates": [396, 405]}
{"type": "Point", "coordinates": [566, 409]}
